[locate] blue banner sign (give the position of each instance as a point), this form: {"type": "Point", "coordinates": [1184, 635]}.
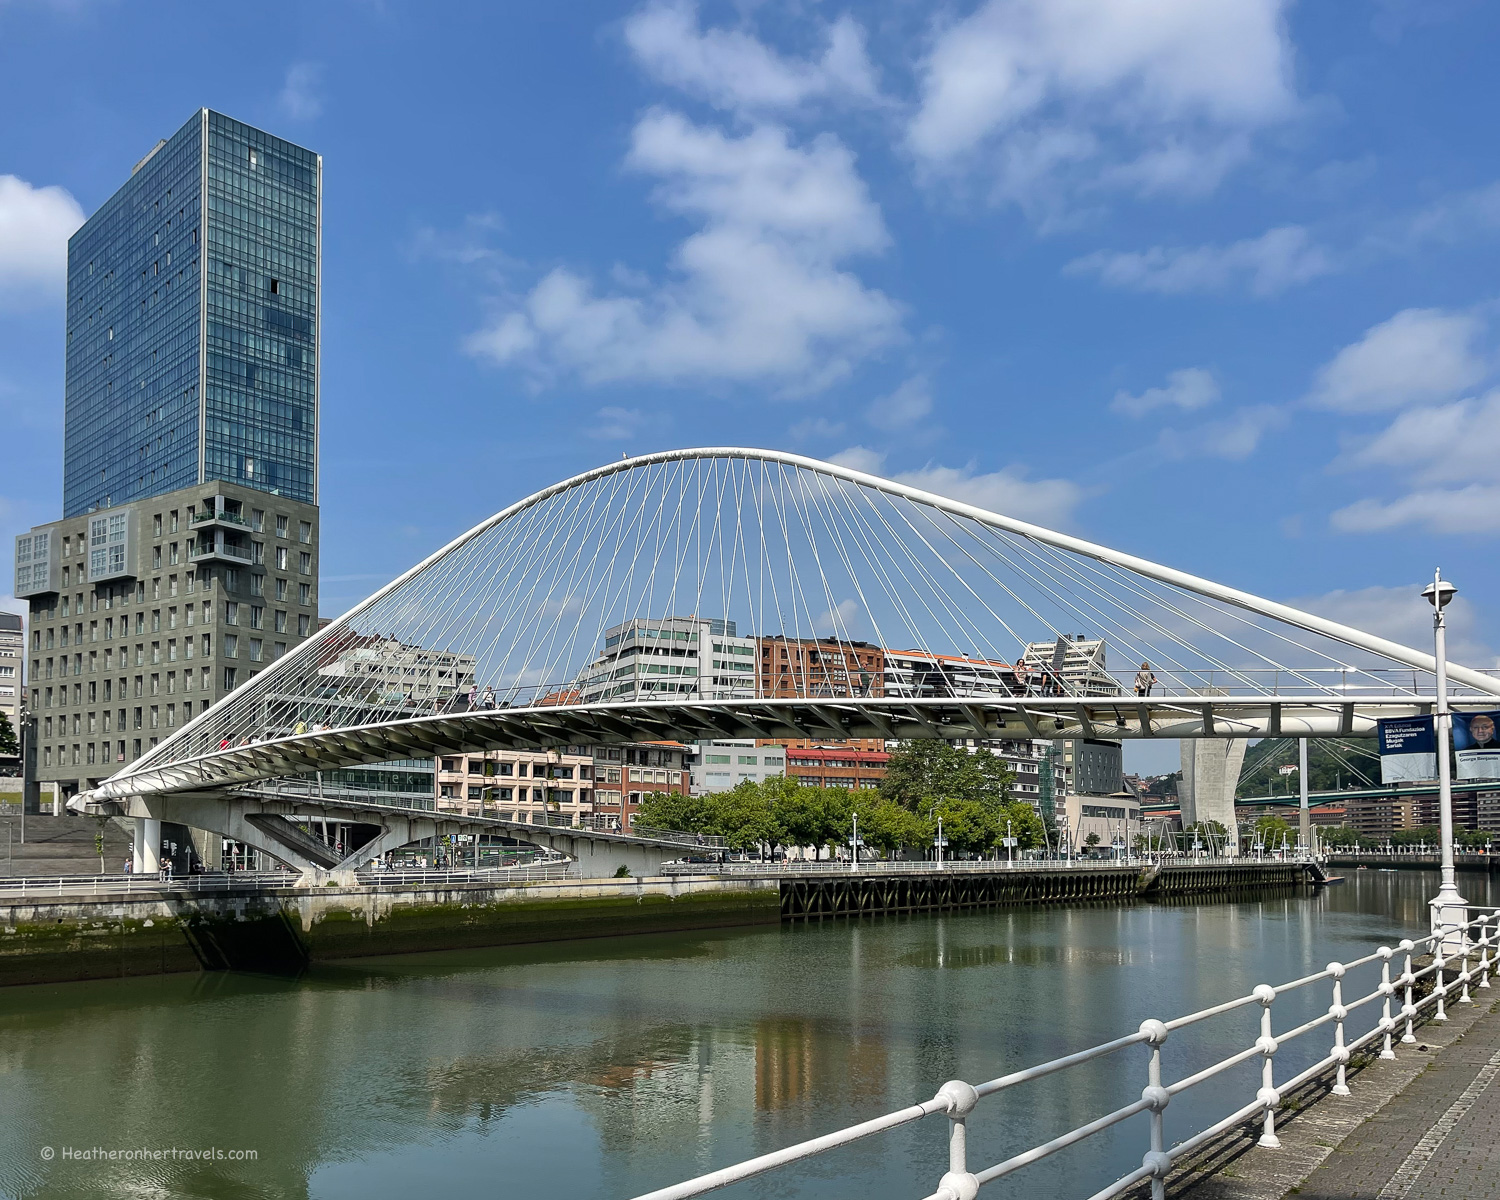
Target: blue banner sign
{"type": "Point", "coordinates": [1476, 745]}
{"type": "Point", "coordinates": [1408, 749]}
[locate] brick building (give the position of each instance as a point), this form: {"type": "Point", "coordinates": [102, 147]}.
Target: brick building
{"type": "Point", "coordinates": [792, 667]}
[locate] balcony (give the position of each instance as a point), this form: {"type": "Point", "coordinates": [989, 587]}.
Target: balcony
{"type": "Point", "coordinates": [210, 549]}
{"type": "Point", "coordinates": [218, 515]}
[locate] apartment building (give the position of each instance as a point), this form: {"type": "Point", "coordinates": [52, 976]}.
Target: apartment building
{"type": "Point", "coordinates": [795, 667]}
{"type": "Point", "coordinates": [670, 658]}
{"type": "Point", "coordinates": [12, 668]}
{"type": "Point", "coordinates": [721, 765]}
{"type": "Point", "coordinates": [145, 614]}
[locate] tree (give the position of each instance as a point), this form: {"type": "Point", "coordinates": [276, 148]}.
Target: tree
{"type": "Point", "coordinates": [971, 825]}
{"type": "Point", "coordinates": [1091, 841]}
{"type": "Point", "coordinates": [889, 827]}
{"type": "Point", "coordinates": [742, 816]}
{"type": "Point", "coordinates": [1025, 825]}
{"type": "Point", "coordinates": [668, 810]}
{"type": "Point", "coordinates": [8, 743]}
{"type": "Point", "coordinates": [926, 771]}
{"type": "Point", "coordinates": [1271, 830]}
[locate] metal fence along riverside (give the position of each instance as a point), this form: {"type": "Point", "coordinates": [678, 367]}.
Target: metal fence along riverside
{"type": "Point", "coordinates": [1463, 956]}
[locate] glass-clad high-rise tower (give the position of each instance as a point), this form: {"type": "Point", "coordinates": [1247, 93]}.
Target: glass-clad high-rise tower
{"type": "Point", "coordinates": [192, 351]}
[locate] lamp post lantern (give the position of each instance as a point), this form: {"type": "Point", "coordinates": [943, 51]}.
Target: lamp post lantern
{"type": "Point", "coordinates": [1447, 905]}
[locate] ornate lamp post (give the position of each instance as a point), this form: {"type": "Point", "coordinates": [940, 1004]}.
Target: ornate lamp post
{"type": "Point", "coordinates": [1447, 906]}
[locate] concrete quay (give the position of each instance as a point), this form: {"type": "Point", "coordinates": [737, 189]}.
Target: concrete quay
{"type": "Point", "coordinates": [260, 926]}
{"type": "Point", "coordinates": [282, 929]}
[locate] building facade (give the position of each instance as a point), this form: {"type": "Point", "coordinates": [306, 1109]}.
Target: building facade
{"type": "Point", "coordinates": [145, 614]}
{"type": "Point", "coordinates": [670, 658]}
{"type": "Point", "coordinates": [719, 766]}
{"type": "Point", "coordinates": [12, 668]}
{"type": "Point", "coordinates": [536, 786]}
{"type": "Point", "coordinates": [837, 767]}
{"type": "Point", "coordinates": [192, 330]}
{"type": "Point", "coordinates": [187, 556]}
{"type": "Point", "coordinates": [796, 667]}
{"type": "Point", "coordinates": [625, 774]}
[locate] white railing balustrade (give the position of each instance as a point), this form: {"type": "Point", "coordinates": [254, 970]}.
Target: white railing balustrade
{"type": "Point", "coordinates": [988, 866]}
{"type": "Point", "coordinates": [958, 1100]}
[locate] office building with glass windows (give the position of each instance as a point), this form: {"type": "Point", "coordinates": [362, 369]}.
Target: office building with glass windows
{"type": "Point", "coordinates": [187, 554]}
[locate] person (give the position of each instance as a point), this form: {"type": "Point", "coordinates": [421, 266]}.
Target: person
{"type": "Point", "coordinates": [300, 728]}
{"type": "Point", "coordinates": [129, 865]}
{"type": "Point", "coordinates": [473, 696]}
{"type": "Point", "coordinates": [1144, 680]}
{"type": "Point", "coordinates": [488, 700]}
{"type": "Point", "coordinates": [224, 745]}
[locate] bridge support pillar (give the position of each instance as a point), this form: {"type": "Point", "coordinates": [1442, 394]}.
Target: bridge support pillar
{"type": "Point", "coordinates": [147, 857]}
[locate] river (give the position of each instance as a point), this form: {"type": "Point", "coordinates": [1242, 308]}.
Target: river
{"type": "Point", "coordinates": [601, 1069]}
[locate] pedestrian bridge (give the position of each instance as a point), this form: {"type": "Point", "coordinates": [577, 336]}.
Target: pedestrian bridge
{"type": "Point", "coordinates": [741, 593]}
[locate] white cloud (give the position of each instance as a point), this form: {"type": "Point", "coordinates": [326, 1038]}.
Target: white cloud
{"type": "Point", "coordinates": [1007, 492]}
{"type": "Point", "coordinates": [1447, 443]}
{"type": "Point", "coordinates": [1188, 389]}
{"type": "Point", "coordinates": [1474, 509]}
{"type": "Point", "coordinates": [1401, 615]}
{"type": "Point", "coordinates": [1458, 217]}
{"type": "Point", "coordinates": [737, 71]}
{"type": "Point", "coordinates": [1175, 82]}
{"type": "Point", "coordinates": [757, 294]}
{"type": "Point", "coordinates": [1236, 437]}
{"type": "Point", "coordinates": [35, 224]}
{"type": "Point", "coordinates": [299, 98]}
{"type": "Point", "coordinates": [860, 458]}
{"type": "Point", "coordinates": [615, 424]}
{"type": "Point", "coordinates": [1276, 260]}
{"type": "Point", "coordinates": [904, 407]}
{"type": "Point", "coordinates": [1418, 356]}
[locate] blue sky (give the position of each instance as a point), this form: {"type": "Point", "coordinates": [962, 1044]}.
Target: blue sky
{"type": "Point", "coordinates": [1212, 283]}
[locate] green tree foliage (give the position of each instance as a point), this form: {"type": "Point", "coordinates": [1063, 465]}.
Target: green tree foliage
{"type": "Point", "coordinates": [782, 812]}
{"type": "Point", "coordinates": [8, 743]}
{"type": "Point", "coordinates": [1271, 830]}
{"type": "Point", "coordinates": [923, 772]}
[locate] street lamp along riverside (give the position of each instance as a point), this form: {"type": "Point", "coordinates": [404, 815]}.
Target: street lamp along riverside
{"type": "Point", "coordinates": [1447, 906]}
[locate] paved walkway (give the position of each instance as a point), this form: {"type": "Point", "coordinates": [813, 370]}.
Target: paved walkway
{"type": "Point", "coordinates": [1438, 1137]}
{"type": "Point", "coordinates": [1424, 1126]}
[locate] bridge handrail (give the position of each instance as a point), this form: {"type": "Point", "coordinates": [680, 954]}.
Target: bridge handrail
{"type": "Point", "coordinates": [1452, 944]}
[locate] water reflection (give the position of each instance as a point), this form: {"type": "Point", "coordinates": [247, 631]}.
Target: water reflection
{"type": "Point", "coordinates": [605, 1068]}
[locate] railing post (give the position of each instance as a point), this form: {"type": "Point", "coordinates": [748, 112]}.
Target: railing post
{"type": "Point", "coordinates": [1266, 1044]}
{"type": "Point", "coordinates": [1484, 951]}
{"type": "Point", "coordinates": [960, 1183]}
{"type": "Point", "coordinates": [1339, 1012]}
{"type": "Point", "coordinates": [1386, 990]}
{"type": "Point", "coordinates": [1463, 969]}
{"type": "Point", "coordinates": [1408, 1009]}
{"type": "Point", "coordinates": [1442, 961]}
{"type": "Point", "coordinates": [1156, 1159]}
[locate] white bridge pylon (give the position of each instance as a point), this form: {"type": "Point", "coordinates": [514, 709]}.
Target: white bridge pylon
{"type": "Point", "coordinates": [550, 605]}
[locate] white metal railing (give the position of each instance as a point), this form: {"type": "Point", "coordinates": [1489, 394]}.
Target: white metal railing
{"type": "Point", "coordinates": [43, 886]}
{"type": "Point", "coordinates": [523, 874]}
{"type": "Point", "coordinates": [956, 1099]}
{"type": "Point", "coordinates": [803, 866]}
{"type": "Point", "coordinates": [83, 886]}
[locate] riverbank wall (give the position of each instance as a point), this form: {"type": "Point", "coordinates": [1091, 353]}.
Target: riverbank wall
{"type": "Point", "coordinates": [835, 893]}
{"type": "Point", "coordinates": [283, 929]}
{"type": "Point", "coordinates": [52, 940]}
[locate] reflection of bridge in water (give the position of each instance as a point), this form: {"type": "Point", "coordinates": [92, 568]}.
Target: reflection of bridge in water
{"type": "Point", "coordinates": [828, 570]}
